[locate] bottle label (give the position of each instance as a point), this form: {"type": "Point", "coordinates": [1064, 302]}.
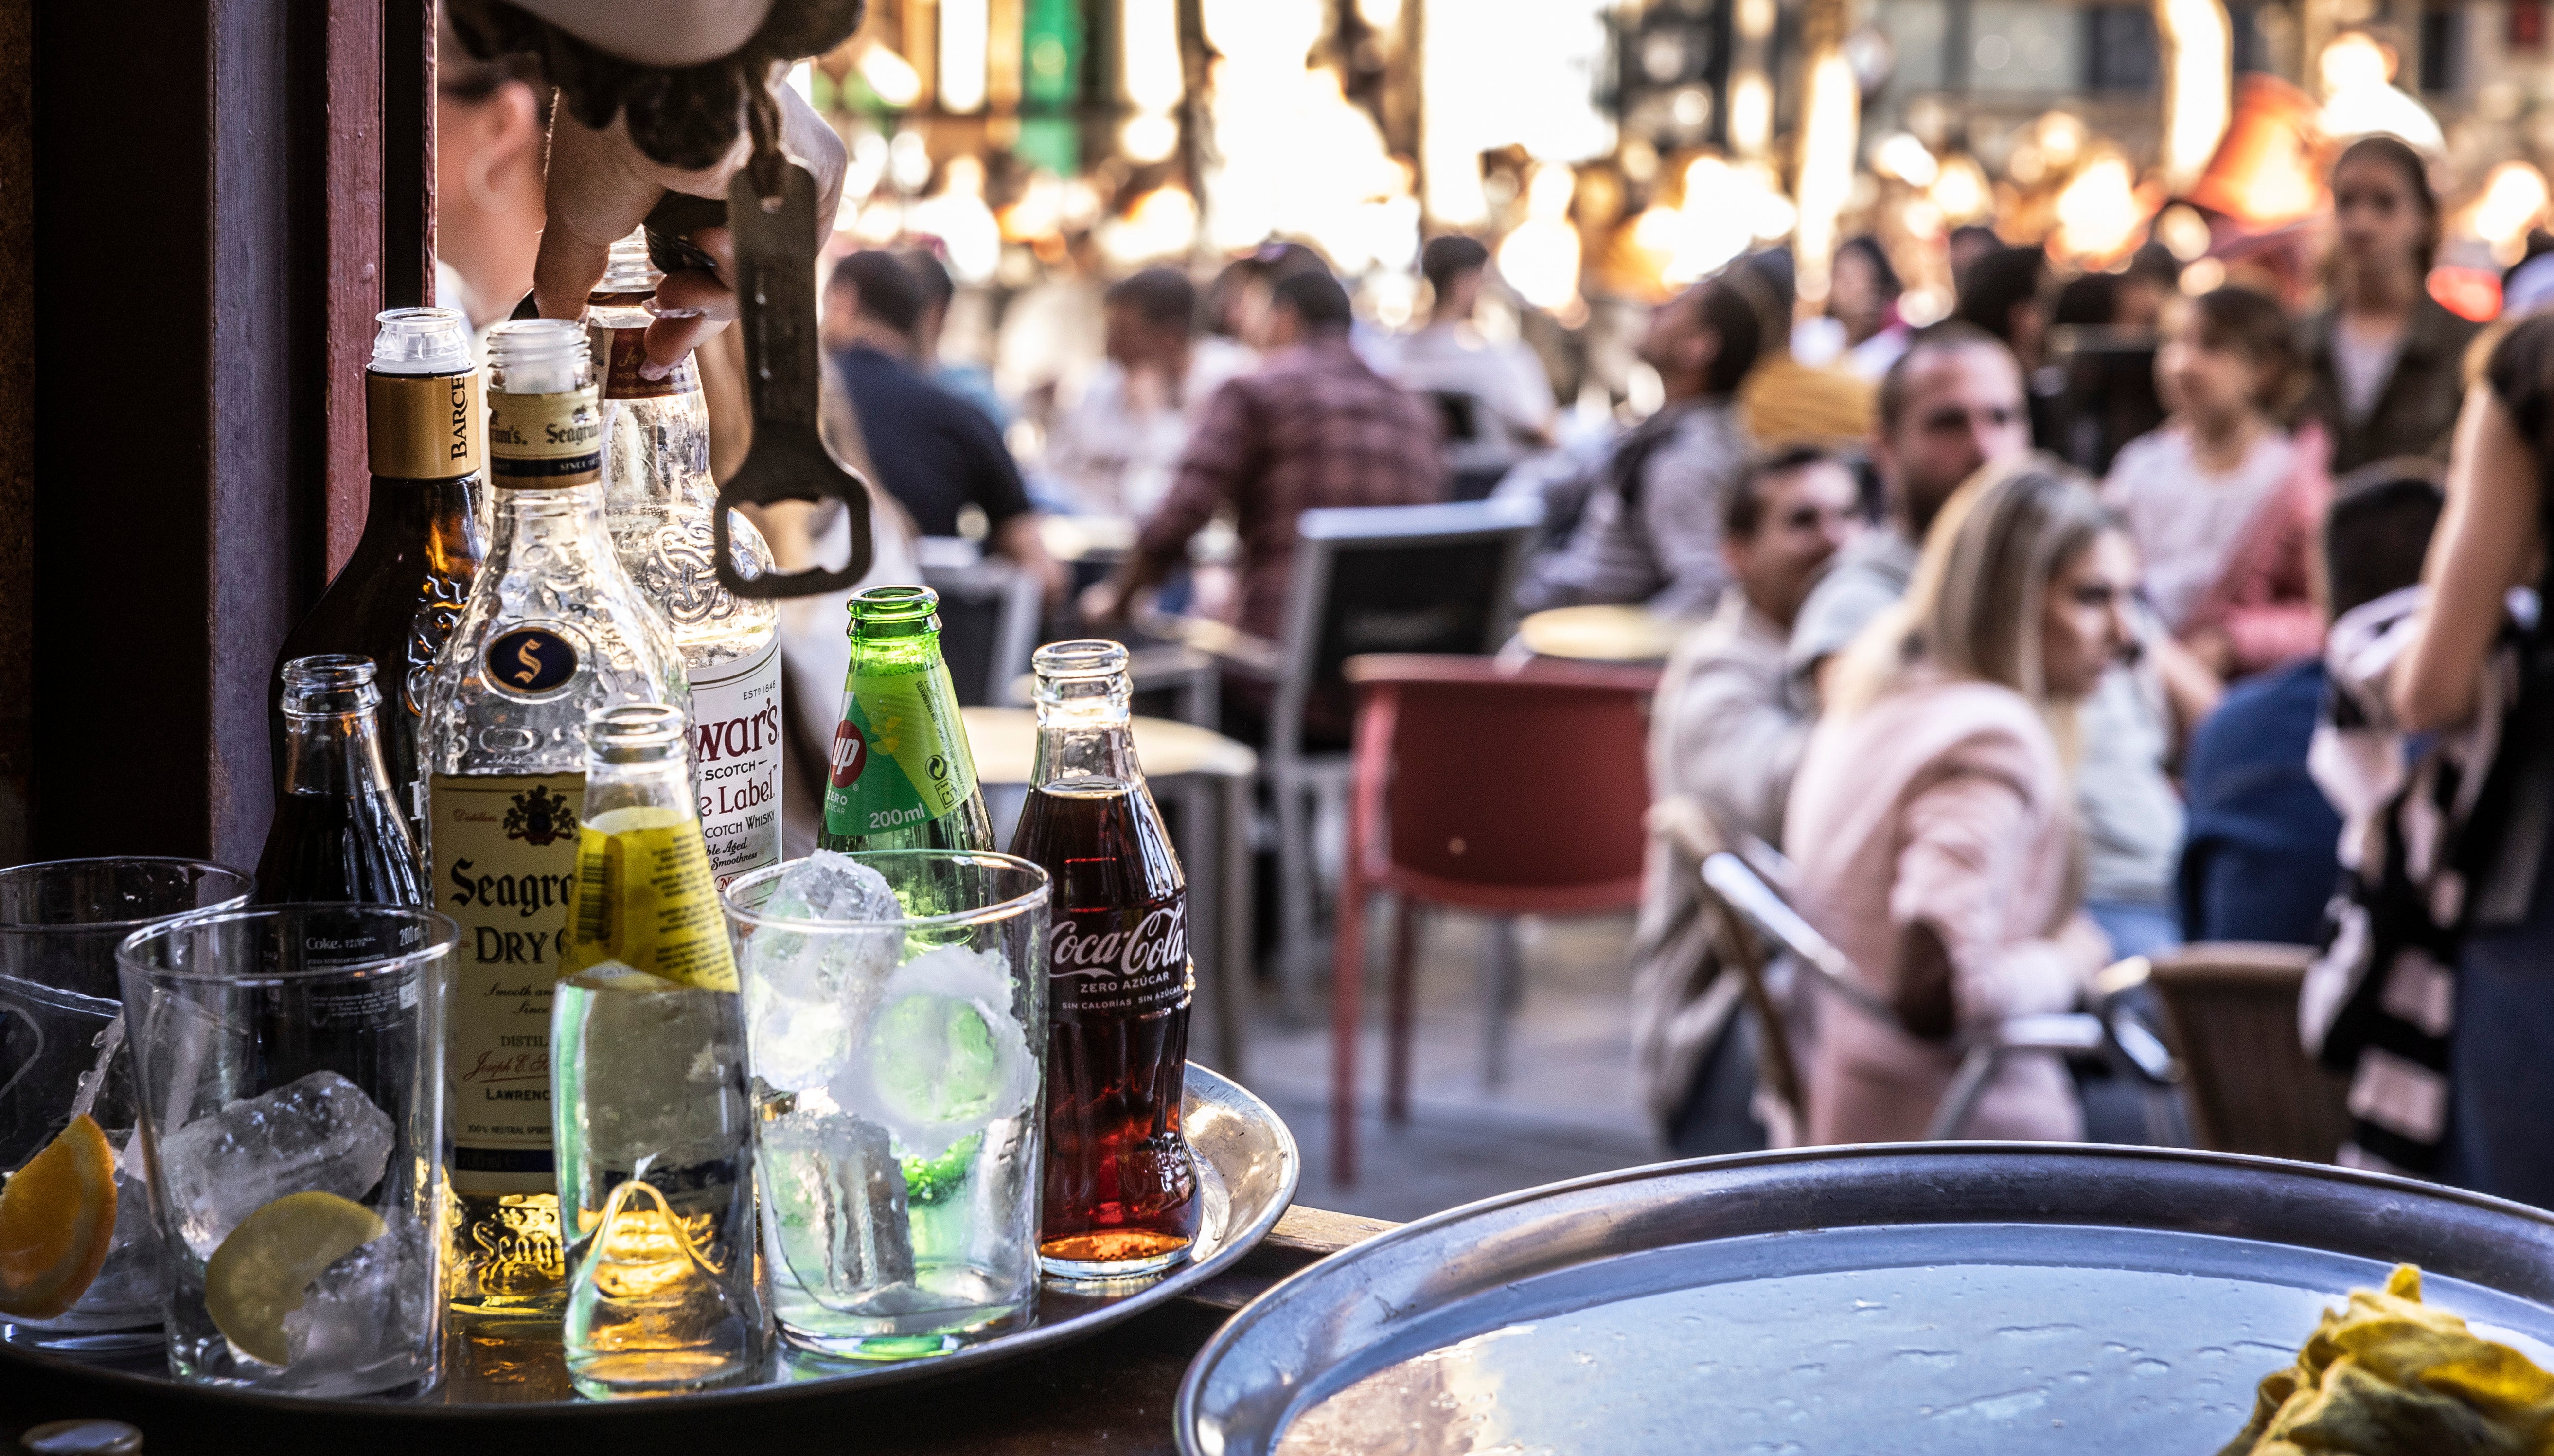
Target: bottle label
{"type": "Point", "coordinates": [623, 351]}
{"type": "Point", "coordinates": [901, 755]}
{"type": "Point", "coordinates": [643, 896]}
{"type": "Point", "coordinates": [423, 427]}
{"type": "Point", "coordinates": [1120, 962]}
{"type": "Point", "coordinates": [528, 662]}
{"type": "Point", "coordinates": [735, 759]}
{"type": "Point", "coordinates": [542, 441]}
{"type": "Point", "coordinates": [504, 868]}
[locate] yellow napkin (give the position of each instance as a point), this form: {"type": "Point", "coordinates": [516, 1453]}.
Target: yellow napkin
{"type": "Point", "coordinates": [2388, 1376]}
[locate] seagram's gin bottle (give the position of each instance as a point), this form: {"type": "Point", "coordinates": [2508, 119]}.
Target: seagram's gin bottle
{"type": "Point", "coordinates": [553, 631]}
{"type": "Point", "coordinates": [661, 501]}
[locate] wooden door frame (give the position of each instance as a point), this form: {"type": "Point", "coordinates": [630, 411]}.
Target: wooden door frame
{"type": "Point", "coordinates": [202, 305]}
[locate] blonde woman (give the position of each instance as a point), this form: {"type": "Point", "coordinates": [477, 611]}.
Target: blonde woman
{"type": "Point", "coordinates": [1931, 819]}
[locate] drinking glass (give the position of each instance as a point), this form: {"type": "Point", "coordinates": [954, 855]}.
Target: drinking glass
{"type": "Point", "coordinates": [290, 1065]}
{"type": "Point", "coordinates": [656, 1180]}
{"type": "Point", "coordinates": [61, 1055]}
{"type": "Point", "coordinates": [896, 1025]}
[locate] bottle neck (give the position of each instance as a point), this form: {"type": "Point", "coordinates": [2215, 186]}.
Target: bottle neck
{"type": "Point", "coordinates": [337, 755]}
{"type": "Point", "coordinates": [1085, 742]}
{"type": "Point", "coordinates": [563, 520]}
{"type": "Point", "coordinates": [665, 783]}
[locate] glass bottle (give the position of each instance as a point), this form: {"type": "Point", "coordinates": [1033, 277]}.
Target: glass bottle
{"type": "Point", "coordinates": [648, 1077]}
{"type": "Point", "coordinates": [553, 631]}
{"type": "Point", "coordinates": [399, 593]}
{"type": "Point", "coordinates": [1120, 1193]}
{"type": "Point", "coordinates": [659, 498]}
{"type": "Point", "coordinates": [901, 774]}
{"type": "Point", "coordinates": [339, 832]}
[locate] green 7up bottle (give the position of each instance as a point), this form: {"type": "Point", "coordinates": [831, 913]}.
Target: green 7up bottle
{"type": "Point", "coordinates": [901, 774]}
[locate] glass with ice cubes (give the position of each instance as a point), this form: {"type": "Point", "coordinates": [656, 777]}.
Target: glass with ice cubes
{"type": "Point", "coordinates": [86, 1268]}
{"type": "Point", "coordinates": [289, 1063]}
{"type": "Point", "coordinates": [895, 1029]}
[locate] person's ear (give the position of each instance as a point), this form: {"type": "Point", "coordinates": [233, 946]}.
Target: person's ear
{"type": "Point", "coordinates": [513, 120]}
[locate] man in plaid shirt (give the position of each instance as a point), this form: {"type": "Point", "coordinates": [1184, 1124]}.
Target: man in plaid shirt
{"type": "Point", "coordinates": [1312, 428]}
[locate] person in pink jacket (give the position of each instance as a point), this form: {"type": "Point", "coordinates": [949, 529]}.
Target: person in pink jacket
{"type": "Point", "coordinates": [1931, 820]}
{"type": "Point", "coordinates": [2224, 502]}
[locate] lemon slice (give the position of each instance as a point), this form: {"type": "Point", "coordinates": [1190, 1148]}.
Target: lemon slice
{"type": "Point", "coordinates": [56, 1222]}
{"type": "Point", "coordinates": [265, 1267]}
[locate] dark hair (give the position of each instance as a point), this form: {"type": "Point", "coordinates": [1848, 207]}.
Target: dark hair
{"type": "Point", "coordinates": [1947, 337]}
{"type": "Point", "coordinates": [884, 289]}
{"type": "Point", "coordinates": [2396, 152]}
{"type": "Point", "coordinates": [1884, 272]}
{"type": "Point", "coordinates": [1974, 232]}
{"type": "Point", "coordinates": [2377, 531]}
{"type": "Point", "coordinates": [1781, 277]}
{"type": "Point", "coordinates": [1742, 507]}
{"type": "Point", "coordinates": [1314, 298]}
{"type": "Point", "coordinates": [1999, 282]}
{"type": "Point", "coordinates": [1447, 258]}
{"type": "Point", "coordinates": [1721, 305]}
{"type": "Point", "coordinates": [2091, 300]}
{"type": "Point", "coordinates": [931, 276]}
{"type": "Point", "coordinates": [1162, 297]}
{"type": "Point", "coordinates": [2254, 324]}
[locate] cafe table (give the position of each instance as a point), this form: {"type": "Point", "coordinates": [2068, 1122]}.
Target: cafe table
{"type": "Point", "coordinates": [1602, 634]}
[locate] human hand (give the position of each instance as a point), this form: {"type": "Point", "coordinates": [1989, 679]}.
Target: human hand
{"type": "Point", "coordinates": [1104, 603]}
{"type": "Point", "coordinates": [600, 187]}
{"type": "Point", "coordinates": [2214, 650]}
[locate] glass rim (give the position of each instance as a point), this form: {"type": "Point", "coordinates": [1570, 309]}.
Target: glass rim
{"type": "Point", "coordinates": [1043, 888]}
{"type": "Point", "coordinates": [8, 926]}
{"type": "Point", "coordinates": [445, 934]}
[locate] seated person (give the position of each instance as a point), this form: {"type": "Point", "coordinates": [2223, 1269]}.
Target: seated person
{"type": "Point", "coordinates": [935, 453]}
{"type": "Point", "coordinates": [1497, 392]}
{"type": "Point", "coordinates": [1650, 528]}
{"type": "Point", "coordinates": [1725, 738]}
{"type": "Point", "coordinates": [1118, 447]}
{"type": "Point", "coordinates": [1932, 822]}
{"type": "Point", "coordinates": [2259, 860]}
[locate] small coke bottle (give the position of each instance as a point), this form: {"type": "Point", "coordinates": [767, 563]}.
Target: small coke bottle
{"type": "Point", "coordinates": [1120, 1195]}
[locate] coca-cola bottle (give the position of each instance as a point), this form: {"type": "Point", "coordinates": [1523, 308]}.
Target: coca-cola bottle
{"type": "Point", "coordinates": [1120, 1189]}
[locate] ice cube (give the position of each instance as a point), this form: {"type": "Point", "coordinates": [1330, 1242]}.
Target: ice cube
{"type": "Point", "coordinates": [320, 1133]}
{"type": "Point", "coordinates": [809, 992]}
{"type": "Point", "coordinates": [944, 1057]}
{"type": "Point", "coordinates": [827, 886]}
{"type": "Point", "coordinates": [357, 1329]}
{"type": "Point", "coordinates": [834, 1206]}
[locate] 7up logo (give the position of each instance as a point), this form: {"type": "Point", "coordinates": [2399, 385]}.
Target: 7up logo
{"type": "Point", "coordinates": [851, 753]}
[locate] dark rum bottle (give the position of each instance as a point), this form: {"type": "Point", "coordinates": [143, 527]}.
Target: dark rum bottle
{"type": "Point", "coordinates": [1120, 1195]}
{"type": "Point", "coordinates": [398, 595]}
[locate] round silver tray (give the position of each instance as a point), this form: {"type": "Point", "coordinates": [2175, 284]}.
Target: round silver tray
{"type": "Point", "coordinates": [1947, 1299]}
{"type": "Point", "coordinates": [509, 1369]}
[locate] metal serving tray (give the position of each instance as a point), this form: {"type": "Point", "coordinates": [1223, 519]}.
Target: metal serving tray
{"type": "Point", "coordinates": [1963, 1297]}
{"type": "Point", "coordinates": [511, 1370]}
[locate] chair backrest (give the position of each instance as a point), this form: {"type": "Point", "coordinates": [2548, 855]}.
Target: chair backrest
{"type": "Point", "coordinates": [988, 626]}
{"type": "Point", "coordinates": [1518, 790]}
{"type": "Point", "coordinates": [2232, 1010]}
{"type": "Point", "coordinates": [1392, 579]}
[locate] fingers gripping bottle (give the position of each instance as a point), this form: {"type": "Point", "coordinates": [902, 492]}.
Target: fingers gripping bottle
{"type": "Point", "coordinates": [554, 631]}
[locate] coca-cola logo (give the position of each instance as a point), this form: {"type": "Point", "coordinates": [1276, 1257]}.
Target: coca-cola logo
{"type": "Point", "coordinates": [851, 752]}
{"type": "Point", "coordinates": [1111, 944]}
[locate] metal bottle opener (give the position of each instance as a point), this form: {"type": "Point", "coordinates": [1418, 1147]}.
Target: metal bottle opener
{"type": "Point", "coordinates": [772, 213]}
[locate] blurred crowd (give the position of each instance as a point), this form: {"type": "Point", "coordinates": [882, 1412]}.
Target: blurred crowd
{"type": "Point", "coordinates": [2113, 610]}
